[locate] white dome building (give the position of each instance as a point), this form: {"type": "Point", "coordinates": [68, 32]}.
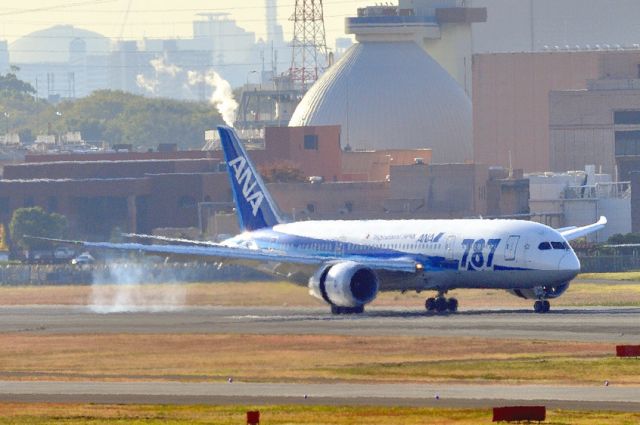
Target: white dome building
{"type": "Point", "coordinates": [53, 45]}
{"type": "Point", "coordinates": [391, 95]}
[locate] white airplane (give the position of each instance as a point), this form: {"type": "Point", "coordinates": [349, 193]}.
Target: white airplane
{"type": "Point", "coordinates": [346, 263]}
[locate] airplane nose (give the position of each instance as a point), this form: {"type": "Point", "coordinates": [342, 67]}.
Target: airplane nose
{"type": "Point", "coordinates": [570, 263]}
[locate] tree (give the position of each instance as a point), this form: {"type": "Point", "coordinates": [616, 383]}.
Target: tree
{"type": "Point", "coordinates": [281, 172]}
{"type": "Point", "coordinates": [35, 221]}
{"type": "Point", "coordinates": [11, 83]}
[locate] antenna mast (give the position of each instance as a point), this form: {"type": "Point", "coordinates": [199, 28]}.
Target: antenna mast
{"type": "Point", "coordinates": [309, 43]}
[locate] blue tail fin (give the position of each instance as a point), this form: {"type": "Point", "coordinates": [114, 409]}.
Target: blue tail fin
{"type": "Point", "coordinates": [254, 205]}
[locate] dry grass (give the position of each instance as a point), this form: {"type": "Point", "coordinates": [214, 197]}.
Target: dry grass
{"type": "Point", "coordinates": [581, 293]}
{"type": "Point", "coordinates": [633, 276]}
{"type": "Point", "coordinates": [45, 413]}
{"type": "Point", "coordinates": [309, 358]}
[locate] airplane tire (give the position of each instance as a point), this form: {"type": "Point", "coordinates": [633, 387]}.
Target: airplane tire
{"type": "Point", "coordinates": [538, 306]}
{"type": "Point", "coordinates": [546, 306]}
{"type": "Point", "coordinates": [441, 304]}
{"type": "Point", "coordinates": [430, 304]}
{"type": "Point", "coordinates": [452, 305]}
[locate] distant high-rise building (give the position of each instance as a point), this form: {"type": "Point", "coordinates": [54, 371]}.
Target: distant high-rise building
{"type": "Point", "coordinates": [342, 44]}
{"type": "Point", "coordinates": [4, 57]}
{"type": "Point", "coordinates": [234, 51]}
{"type": "Point", "coordinates": [126, 62]}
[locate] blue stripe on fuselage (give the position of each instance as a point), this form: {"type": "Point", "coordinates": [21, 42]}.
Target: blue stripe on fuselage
{"type": "Point", "coordinates": [268, 239]}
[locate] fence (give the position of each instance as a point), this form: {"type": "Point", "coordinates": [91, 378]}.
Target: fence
{"type": "Point", "coordinates": [609, 263]}
{"type": "Point", "coordinates": [130, 272]}
{"type": "Point", "coordinates": [202, 272]}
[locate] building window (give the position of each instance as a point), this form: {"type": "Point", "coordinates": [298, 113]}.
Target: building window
{"type": "Point", "coordinates": [311, 208]}
{"type": "Point", "coordinates": [626, 117]}
{"type": "Point", "coordinates": [627, 143]}
{"type": "Point", "coordinates": [311, 142]}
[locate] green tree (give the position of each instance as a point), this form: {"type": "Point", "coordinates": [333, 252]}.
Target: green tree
{"type": "Point", "coordinates": [619, 239]}
{"type": "Point", "coordinates": [117, 117]}
{"type": "Point", "coordinates": [35, 221]}
{"type": "Point", "coordinates": [11, 83]}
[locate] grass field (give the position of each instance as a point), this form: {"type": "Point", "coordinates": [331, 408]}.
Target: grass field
{"type": "Point", "coordinates": [310, 358]}
{"type": "Point", "coordinates": [586, 291]}
{"type": "Point", "coordinates": [41, 414]}
{"type": "Point", "coordinates": [307, 358]}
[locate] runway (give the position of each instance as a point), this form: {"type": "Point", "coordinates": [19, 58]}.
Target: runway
{"type": "Point", "coordinates": [442, 395]}
{"type": "Point", "coordinates": [615, 325]}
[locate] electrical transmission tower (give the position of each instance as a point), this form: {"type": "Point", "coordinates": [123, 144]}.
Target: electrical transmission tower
{"type": "Point", "coordinates": [309, 44]}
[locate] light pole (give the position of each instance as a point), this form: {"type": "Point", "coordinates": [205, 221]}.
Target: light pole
{"type": "Point", "coordinates": [59, 114]}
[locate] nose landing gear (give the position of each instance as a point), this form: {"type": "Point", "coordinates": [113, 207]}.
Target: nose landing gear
{"type": "Point", "coordinates": [541, 306]}
{"type": "Point", "coordinates": [441, 304]}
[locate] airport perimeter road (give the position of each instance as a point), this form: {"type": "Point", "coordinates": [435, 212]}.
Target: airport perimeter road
{"type": "Point", "coordinates": [619, 325]}
{"type": "Point", "coordinates": [443, 395]}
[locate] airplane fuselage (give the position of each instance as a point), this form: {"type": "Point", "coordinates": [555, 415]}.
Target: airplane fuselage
{"type": "Point", "coordinates": [472, 253]}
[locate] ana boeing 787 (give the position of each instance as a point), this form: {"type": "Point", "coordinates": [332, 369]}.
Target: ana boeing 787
{"type": "Point", "coordinates": [346, 263]}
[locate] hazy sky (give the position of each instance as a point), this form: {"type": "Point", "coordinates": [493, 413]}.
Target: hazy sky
{"type": "Point", "coordinates": [165, 18]}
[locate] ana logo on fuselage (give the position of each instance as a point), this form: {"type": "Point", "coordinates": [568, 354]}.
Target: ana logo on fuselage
{"type": "Point", "coordinates": [245, 178]}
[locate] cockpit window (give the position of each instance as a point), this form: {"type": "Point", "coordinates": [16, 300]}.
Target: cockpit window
{"type": "Point", "coordinates": [544, 246]}
{"type": "Point", "coordinates": [559, 245]}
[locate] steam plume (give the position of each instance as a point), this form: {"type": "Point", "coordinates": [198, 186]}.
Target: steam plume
{"type": "Point", "coordinates": [124, 288]}
{"type": "Point", "coordinates": [222, 97]}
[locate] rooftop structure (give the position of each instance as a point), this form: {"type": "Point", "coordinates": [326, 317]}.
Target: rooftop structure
{"type": "Point", "coordinates": [441, 27]}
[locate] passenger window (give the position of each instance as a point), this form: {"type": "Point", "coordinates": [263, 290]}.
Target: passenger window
{"type": "Point", "coordinates": [544, 246]}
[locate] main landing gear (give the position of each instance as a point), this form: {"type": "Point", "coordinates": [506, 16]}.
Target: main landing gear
{"type": "Point", "coordinates": [541, 306]}
{"type": "Point", "coordinates": [441, 304]}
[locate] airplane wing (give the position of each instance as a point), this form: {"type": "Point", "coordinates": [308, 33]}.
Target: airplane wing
{"type": "Point", "coordinates": [241, 255]}
{"type": "Point", "coordinates": [172, 240]}
{"type": "Point", "coordinates": [579, 232]}
{"type": "Point", "coordinates": [566, 229]}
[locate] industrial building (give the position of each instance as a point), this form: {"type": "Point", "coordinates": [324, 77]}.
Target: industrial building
{"type": "Point", "coordinates": [387, 91]}
{"type": "Point", "coordinates": [511, 97]}
{"type": "Point", "coordinates": [140, 192]}
{"type": "Point", "coordinates": [580, 197]}
{"type": "Point", "coordinates": [599, 125]}
{"type": "Point", "coordinates": [391, 96]}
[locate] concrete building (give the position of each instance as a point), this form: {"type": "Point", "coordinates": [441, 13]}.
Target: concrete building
{"type": "Point", "coordinates": [507, 195]}
{"type": "Point", "coordinates": [511, 113]}
{"type": "Point", "coordinates": [97, 196]}
{"type": "Point", "coordinates": [600, 125]}
{"type": "Point", "coordinates": [441, 27]}
{"type": "Point", "coordinates": [539, 25]}
{"type": "Point", "coordinates": [579, 198]}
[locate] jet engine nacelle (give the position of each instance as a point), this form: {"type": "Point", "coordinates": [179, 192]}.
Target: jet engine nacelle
{"type": "Point", "coordinates": [540, 292]}
{"type": "Point", "coordinates": [344, 284]}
